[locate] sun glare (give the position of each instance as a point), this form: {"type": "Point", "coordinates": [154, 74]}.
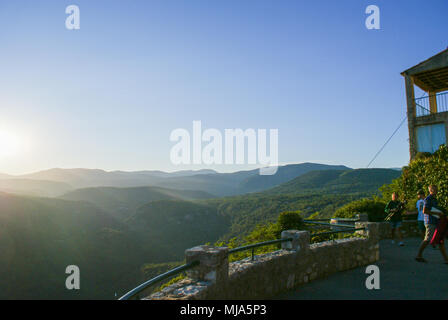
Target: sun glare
{"type": "Point", "coordinates": [9, 143]}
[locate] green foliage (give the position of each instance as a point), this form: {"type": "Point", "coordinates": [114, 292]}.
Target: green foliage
{"type": "Point", "coordinates": [151, 270]}
{"type": "Point", "coordinates": [423, 155]}
{"type": "Point", "coordinates": [315, 215]}
{"type": "Point", "coordinates": [168, 283]}
{"type": "Point", "coordinates": [373, 207]}
{"type": "Point", "coordinates": [334, 236]}
{"type": "Point", "coordinates": [424, 170]}
{"type": "Point", "coordinates": [246, 212]}
{"type": "Point", "coordinates": [264, 232]}
{"type": "Point", "coordinates": [290, 220]}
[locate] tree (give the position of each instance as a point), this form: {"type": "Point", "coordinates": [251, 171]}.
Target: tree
{"type": "Point", "coordinates": [290, 220]}
{"type": "Point", "coordinates": [424, 170]}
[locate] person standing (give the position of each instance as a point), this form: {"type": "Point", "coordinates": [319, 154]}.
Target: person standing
{"type": "Point", "coordinates": [394, 211]}
{"type": "Point", "coordinates": [431, 213]}
{"type": "Point", "coordinates": [420, 217]}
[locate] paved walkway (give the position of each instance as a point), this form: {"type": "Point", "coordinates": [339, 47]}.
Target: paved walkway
{"type": "Point", "coordinates": [401, 277]}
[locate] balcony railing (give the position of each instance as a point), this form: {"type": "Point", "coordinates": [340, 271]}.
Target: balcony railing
{"type": "Point", "coordinates": [423, 106]}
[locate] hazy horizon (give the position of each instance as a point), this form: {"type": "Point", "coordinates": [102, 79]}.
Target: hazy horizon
{"type": "Point", "coordinates": [109, 94]}
{"type": "Point", "coordinates": [179, 170]}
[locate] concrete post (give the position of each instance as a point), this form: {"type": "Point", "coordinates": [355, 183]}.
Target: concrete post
{"type": "Point", "coordinates": [372, 230]}
{"type": "Point", "coordinates": [300, 242]}
{"type": "Point", "coordinates": [363, 217]}
{"type": "Point", "coordinates": [213, 263]}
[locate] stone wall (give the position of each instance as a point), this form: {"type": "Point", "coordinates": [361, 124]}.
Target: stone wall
{"type": "Point", "coordinates": [269, 274]}
{"type": "Point", "coordinates": [408, 229]}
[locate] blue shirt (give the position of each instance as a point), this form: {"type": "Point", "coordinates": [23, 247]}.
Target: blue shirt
{"type": "Point", "coordinates": [430, 202]}
{"type": "Point", "coordinates": [420, 204]}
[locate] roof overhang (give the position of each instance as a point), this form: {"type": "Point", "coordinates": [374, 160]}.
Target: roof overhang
{"type": "Point", "coordinates": [432, 74]}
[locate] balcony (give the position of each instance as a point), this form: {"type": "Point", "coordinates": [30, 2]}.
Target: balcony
{"type": "Point", "coordinates": [431, 104]}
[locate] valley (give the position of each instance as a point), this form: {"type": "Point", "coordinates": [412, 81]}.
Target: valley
{"type": "Point", "coordinates": [120, 236]}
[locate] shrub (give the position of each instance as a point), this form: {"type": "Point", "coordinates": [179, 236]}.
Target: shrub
{"type": "Point", "coordinates": [373, 207]}
{"type": "Point", "coordinates": [423, 171]}
{"type": "Point", "coordinates": [290, 220]}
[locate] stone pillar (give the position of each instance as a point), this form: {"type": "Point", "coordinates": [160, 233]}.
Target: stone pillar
{"type": "Point", "coordinates": [411, 112]}
{"type": "Point", "coordinates": [371, 250]}
{"type": "Point", "coordinates": [300, 242]}
{"type": "Point", "coordinates": [363, 217]}
{"type": "Point", "coordinates": [372, 230]}
{"type": "Point", "coordinates": [213, 263]}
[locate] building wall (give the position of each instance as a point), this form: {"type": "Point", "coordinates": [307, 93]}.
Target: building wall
{"type": "Point", "coordinates": [431, 119]}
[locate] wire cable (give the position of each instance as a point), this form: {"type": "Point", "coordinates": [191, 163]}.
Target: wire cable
{"type": "Point", "coordinates": [396, 130]}
{"type": "Point", "coordinates": [387, 141]}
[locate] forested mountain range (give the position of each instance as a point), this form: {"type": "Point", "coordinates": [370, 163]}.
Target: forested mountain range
{"type": "Point", "coordinates": [111, 233]}
{"type": "Point", "coordinates": [45, 183]}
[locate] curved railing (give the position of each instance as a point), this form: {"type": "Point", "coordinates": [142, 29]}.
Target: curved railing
{"type": "Point", "coordinates": [135, 293]}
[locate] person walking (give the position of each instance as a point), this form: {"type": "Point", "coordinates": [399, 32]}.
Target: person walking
{"type": "Point", "coordinates": [431, 213]}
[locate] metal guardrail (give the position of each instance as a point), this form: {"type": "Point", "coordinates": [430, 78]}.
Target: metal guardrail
{"type": "Point", "coordinates": [329, 224]}
{"type": "Point", "coordinates": [134, 293]}
{"type": "Point", "coordinates": [346, 219]}
{"type": "Point", "coordinates": [423, 106]}
{"type": "Point", "coordinates": [339, 219]}
{"type": "Point", "coordinates": [257, 245]}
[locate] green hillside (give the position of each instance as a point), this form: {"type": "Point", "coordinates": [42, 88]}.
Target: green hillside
{"type": "Point", "coordinates": [120, 236]}
{"type": "Point", "coordinates": [39, 238]}
{"type": "Point", "coordinates": [284, 174]}
{"type": "Point", "coordinates": [171, 226]}
{"type": "Point", "coordinates": [245, 212]}
{"type": "Point", "coordinates": [338, 181]}
{"type": "Point", "coordinates": [122, 202]}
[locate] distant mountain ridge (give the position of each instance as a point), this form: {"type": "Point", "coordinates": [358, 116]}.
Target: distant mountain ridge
{"type": "Point", "coordinates": [284, 174]}
{"type": "Point", "coordinates": [338, 181]}
{"type": "Point", "coordinates": [210, 181]}
{"type": "Point", "coordinates": [241, 182]}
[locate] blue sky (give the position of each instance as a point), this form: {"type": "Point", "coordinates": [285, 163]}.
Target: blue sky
{"type": "Point", "coordinates": [108, 95]}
